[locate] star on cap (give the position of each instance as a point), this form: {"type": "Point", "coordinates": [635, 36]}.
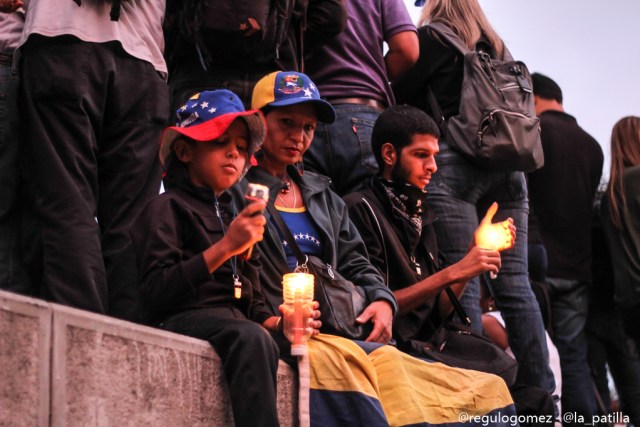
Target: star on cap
{"type": "Point", "coordinates": [312, 86]}
{"type": "Point", "coordinates": [212, 110]}
{"type": "Point", "coordinates": [307, 92]}
{"type": "Point", "coordinates": [205, 104]}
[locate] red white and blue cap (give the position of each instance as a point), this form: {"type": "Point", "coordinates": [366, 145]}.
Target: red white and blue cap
{"type": "Point", "coordinates": [207, 115]}
{"type": "Point", "coordinates": [283, 88]}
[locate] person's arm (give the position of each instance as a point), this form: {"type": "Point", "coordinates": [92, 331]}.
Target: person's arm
{"type": "Point", "coordinates": [402, 55]}
{"type": "Point", "coordinates": [475, 262]}
{"type": "Point", "coordinates": [353, 259]}
{"type": "Point", "coordinates": [165, 277]}
{"type": "Point", "coordinates": [244, 231]}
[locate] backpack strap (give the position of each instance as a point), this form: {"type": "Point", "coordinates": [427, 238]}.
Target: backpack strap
{"type": "Point", "coordinates": [436, 111]}
{"type": "Point", "coordinates": [451, 37]}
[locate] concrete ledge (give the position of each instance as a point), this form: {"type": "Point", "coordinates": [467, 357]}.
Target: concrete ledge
{"type": "Point", "coordinates": [25, 340]}
{"type": "Point", "coordinates": [108, 372]}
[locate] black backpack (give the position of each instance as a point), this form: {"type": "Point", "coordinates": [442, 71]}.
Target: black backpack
{"type": "Point", "coordinates": [496, 126]}
{"type": "Point", "coordinates": [239, 32]}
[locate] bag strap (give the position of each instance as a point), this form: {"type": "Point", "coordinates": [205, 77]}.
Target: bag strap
{"type": "Point", "coordinates": [286, 233]}
{"type": "Point", "coordinates": [455, 302]}
{"type": "Point", "coordinates": [448, 34]}
{"type": "Point", "coordinates": [436, 111]}
{"type": "Point", "coordinates": [384, 247]}
{"type": "Point", "coordinates": [462, 314]}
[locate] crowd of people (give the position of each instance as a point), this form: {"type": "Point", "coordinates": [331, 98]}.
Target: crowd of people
{"type": "Point", "coordinates": [101, 103]}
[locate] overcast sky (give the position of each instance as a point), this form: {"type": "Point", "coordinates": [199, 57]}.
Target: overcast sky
{"type": "Point", "coordinates": [590, 48]}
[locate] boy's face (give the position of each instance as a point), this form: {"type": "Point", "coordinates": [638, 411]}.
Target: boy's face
{"type": "Point", "coordinates": [216, 164]}
{"type": "Point", "coordinates": [290, 131]}
{"type": "Point", "coordinates": [415, 163]}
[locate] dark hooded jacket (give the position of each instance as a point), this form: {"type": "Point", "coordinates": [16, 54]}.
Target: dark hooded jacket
{"type": "Point", "coordinates": [170, 236]}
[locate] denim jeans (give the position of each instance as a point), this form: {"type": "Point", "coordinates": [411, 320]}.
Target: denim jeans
{"type": "Point", "coordinates": [249, 359]}
{"type": "Point", "coordinates": [460, 194]}
{"type": "Point", "coordinates": [342, 150]}
{"type": "Point", "coordinates": [13, 276]}
{"type": "Point", "coordinates": [569, 306]}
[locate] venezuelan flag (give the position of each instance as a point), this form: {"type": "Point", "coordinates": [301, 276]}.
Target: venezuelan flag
{"type": "Point", "coordinates": [353, 383]}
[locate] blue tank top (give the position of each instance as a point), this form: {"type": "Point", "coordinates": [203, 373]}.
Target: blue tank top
{"type": "Point", "coordinates": [304, 232]}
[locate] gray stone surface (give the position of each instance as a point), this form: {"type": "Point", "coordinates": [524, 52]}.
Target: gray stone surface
{"type": "Point", "coordinates": [25, 339]}
{"type": "Point", "coordinates": [107, 372]}
{"type": "Point", "coordinates": [65, 367]}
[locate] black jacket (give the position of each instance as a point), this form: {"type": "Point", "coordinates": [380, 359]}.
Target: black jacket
{"type": "Point", "coordinates": [170, 235]}
{"type": "Point", "coordinates": [343, 246]}
{"type": "Point", "coordinates": [390, 253]}
{"type": "Point", "coordinates": [562, 193]}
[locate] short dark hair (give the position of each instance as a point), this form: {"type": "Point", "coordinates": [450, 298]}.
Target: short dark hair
{"type": "Point", "coordinates": [546, 88]}
{"type": "Point", "coordinates": [397, 125]}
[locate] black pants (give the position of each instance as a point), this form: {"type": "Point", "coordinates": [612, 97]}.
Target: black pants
{"type": "Point", "coordinates": [93, 117]}
{"type": "Point", "coordinates": [249, 359]}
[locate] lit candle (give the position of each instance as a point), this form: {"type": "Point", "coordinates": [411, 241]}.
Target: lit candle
{"type": "Point", "coordinates": [496, 237]}
{"type": "Point", "coordinates": [491, 237]}
{"type": "Point", "coordinates": [298, 295]}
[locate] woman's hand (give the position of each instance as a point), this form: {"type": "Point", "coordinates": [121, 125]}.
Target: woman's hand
{"type": "Point", "coordinates": [380, 314]}
{"type": "Point", "coordinates": [313, 316]}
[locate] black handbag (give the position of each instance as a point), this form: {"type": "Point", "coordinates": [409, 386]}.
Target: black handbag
{"type": "Point", "coordinates": [456, 345]}
{"type": "Point", "coordinates": [341, 301]}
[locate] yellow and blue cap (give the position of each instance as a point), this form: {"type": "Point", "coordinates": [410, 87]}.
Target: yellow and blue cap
{"type": "Point", "coordinates": [283, 88]}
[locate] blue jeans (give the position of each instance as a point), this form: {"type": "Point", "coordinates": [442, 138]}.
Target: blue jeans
{"type": "Point", "coordinates": [570, 305]}
{"type": "Point", "coordinates": [460, 194]}
{"type": "Point", "coordinates": [342, 150]}
{"type": "Point", "coordinates": [12, 272]}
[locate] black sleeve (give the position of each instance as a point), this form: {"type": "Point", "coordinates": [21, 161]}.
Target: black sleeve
{"type": "Point", "coordinates": [259, 311]}
{"type": "Point", "coordinates": [361, 218]}
{"type": "Point", "coordinates": [437, 66]}
{"type": "Point", "coordinates": [165, 278]}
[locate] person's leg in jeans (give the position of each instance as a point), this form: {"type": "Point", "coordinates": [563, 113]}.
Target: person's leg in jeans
{"type": "Point", "coordinates": [569, 305]}
{"type": "Point", "coordinates": [249, 359]}
{"type": "Point", "coordinates": [459, 194]}
{"type": "Point", "coordinates": [513, 293]}
{"type": "Point", "coordinates": [342, 150]}
{"type": "Point", "coordinates": [13, 276]}
{"type": "Point", "coordinates": [453, 193]}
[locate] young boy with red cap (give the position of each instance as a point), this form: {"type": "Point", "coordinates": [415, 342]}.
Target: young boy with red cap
{"type": "Point", "coordinates": [189, 242]}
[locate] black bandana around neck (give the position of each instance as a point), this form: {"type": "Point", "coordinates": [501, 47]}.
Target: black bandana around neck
{"type": "Point", "coordinates": [406, 199]}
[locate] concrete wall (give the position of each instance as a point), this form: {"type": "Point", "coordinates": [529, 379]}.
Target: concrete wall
{"type": "Point", "coordinates": [65, 367]}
